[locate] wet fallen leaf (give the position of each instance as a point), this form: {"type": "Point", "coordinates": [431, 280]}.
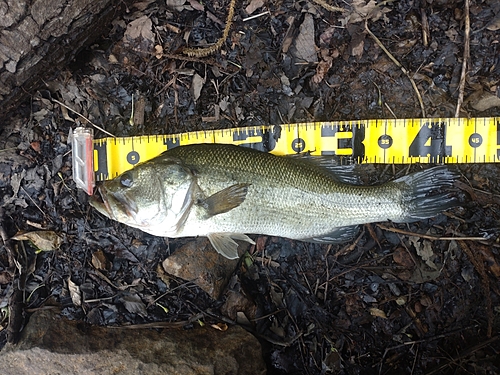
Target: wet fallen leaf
{"type": "Point", "coordinates": [421, 275]}
{"type": "Point", "coordinates": [43, 240]}
{"type": "Point", "coordinates": [5, 277]}
{"type": "Point", "coordinates": [494, 24]}
{"type": "Point", "coordinates": [491, 262]}
{"type": "Point", "coordinates": [277, 329]}
{"type": "Point", "coordinates": [100, 261]}
{"type": "Point", "coordinates": [358, 36]}
{"type": "Point", "coordinates": [402, 257]}
{"type": "Point", "coordinates": [401, 300]}
{"type": "Point", "coordinates": [133, 303]}
{"type": "Point", "coordinates": [196, 5]}
{"type": "Point", "coordinates": [74, 292]}
{"type": "Point", "coordinates": [377, 312]}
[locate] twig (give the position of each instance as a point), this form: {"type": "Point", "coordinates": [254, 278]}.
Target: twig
{"type": "Point", "coordinates": [256, 16]}
{"type": "Point", "coordinates": [461, 86]}
{"type": "Point", "coordinates": [479, 266]}
{"type": "Point", "coordinates": [327, 272]}
{"type": "Point", "coordinates": [83, 117]}
{"type": "Point", "coordinates": [429, 237]}
{"type": "Point", "coordinates": [331, 8]}
{"type": "Point", "coordinates": [423, 341]}
{"type": "Point", "coordinates": [425, 28]}
{"type": "Point", "coordinates": [464, 354]}
{"type": "Point", "coordinates": [403, 69]}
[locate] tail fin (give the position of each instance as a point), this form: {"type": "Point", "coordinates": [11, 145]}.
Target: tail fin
{"type": "Point", "coordinates": [426, 195]}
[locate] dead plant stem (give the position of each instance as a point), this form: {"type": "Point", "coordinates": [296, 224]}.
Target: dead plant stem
{"type": "Point", "coordinates": [429, 237]}
{"type": "Point", "coordinates": [398, 64]}
{"type": "Point", "coordinates": [83, 117]}
{"type": "Point", "coordinates": [461, 86]}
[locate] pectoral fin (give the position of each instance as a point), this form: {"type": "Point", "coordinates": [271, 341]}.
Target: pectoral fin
{"type": "Point", "coordinates": [225, 245]}
{"type": "Point", "coordinates": [225, 200]}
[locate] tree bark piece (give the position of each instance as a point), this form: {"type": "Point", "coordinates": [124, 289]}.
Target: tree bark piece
{"type": "Point", "coordinates": [37, 37]}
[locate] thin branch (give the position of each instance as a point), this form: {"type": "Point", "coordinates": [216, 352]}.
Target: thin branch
{"type": "Point", "coordinates": [328, 7]}
{"type": "Point", "coordinates": [429, 237]}
{"type": "Point", "coordinates": [461, 87]}
{"type": "Point", "coordinates": [83, 117]}
{"type": "Point", "coordinates": [403, 69]}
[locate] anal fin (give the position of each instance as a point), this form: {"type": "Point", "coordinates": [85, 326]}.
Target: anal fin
{"type": "Point", "coordinates": [338, 235]}
{"type": "Point", "coordinates": [225, 245]}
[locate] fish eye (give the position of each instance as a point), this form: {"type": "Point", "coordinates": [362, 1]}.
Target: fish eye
{"type": "Point", "coordinates": [126, 180]}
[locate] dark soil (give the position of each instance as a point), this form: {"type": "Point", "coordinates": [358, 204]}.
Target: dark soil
{"type": "Point", "coordinates": [388, 302]}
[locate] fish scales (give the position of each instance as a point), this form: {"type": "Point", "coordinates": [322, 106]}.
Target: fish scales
{"type": "Point", "coordinates": [288, 196]}
{"type": "Point", "coordinates": [225, 192]}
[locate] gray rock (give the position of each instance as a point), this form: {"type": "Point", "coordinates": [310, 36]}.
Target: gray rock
{"type": "Point", "coordinates": [51, 344]}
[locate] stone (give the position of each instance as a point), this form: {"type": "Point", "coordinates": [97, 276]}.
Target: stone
{"type": "Point", "coordinates": [198, 261]}
{"type": "Point", "coordinates": [51, 344]}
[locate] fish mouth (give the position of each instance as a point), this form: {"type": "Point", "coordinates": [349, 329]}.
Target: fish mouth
{"type": "Point", "coordinates": [112, 204]}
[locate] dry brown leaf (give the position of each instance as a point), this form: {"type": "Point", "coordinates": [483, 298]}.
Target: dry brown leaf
{"type": "Point", "coordinates": [491, 262]}
{"type": "Point", "coordinates": [424, 250]}
{"type": "Point", "coordinates": [75, 293]}
{"type": "Point", "coordinates": [43, 240]}
{"type": "Point", "coordinates": [158, 51]}
{"type": "Point", "coordinates": [361, 10]}
{"type": "Point", "coordinates": [140, 28]}
{"type": "Point", "coordinates": [377, 312]}
{"type": "Point", "coordinates": [142, 5]}
{"type": "Point", "coordinates": [485, 101]}
{"type": "Point", "coordinates": [178, 5]}
{"type": "Point", "coordinates": [403, 258]}
{"type": "Point", "coordinates": [321, 69]}
{"type": "Point", "coordinates": [305, 48]}
{"type": "Point", "coordinates": [100, 261]}
{"type": "Point", "coordinates": [197, 85]}
{"type": "Point", "coordinates": [253, 6]}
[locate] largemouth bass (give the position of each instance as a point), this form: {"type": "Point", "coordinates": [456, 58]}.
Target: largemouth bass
{"type": "Point", "coordinates": [225, 192]}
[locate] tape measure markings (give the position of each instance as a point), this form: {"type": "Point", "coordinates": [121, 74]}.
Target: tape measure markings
{"type": "Point", "coordinates": [398, 141]}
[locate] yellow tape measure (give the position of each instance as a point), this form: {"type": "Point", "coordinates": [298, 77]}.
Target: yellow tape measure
{"type": "Point", "coordinates": [399, 141]}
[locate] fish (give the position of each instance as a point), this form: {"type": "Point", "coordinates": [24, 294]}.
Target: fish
{"type": "Point", "coordinates": [226, 192]}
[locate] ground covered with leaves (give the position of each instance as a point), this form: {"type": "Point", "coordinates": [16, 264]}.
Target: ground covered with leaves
{"type": "Point", "coordinates": [398, 299]}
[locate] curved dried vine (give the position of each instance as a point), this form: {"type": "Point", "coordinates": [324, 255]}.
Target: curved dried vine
{"type": "Point", "coordinates": [206, 51]}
